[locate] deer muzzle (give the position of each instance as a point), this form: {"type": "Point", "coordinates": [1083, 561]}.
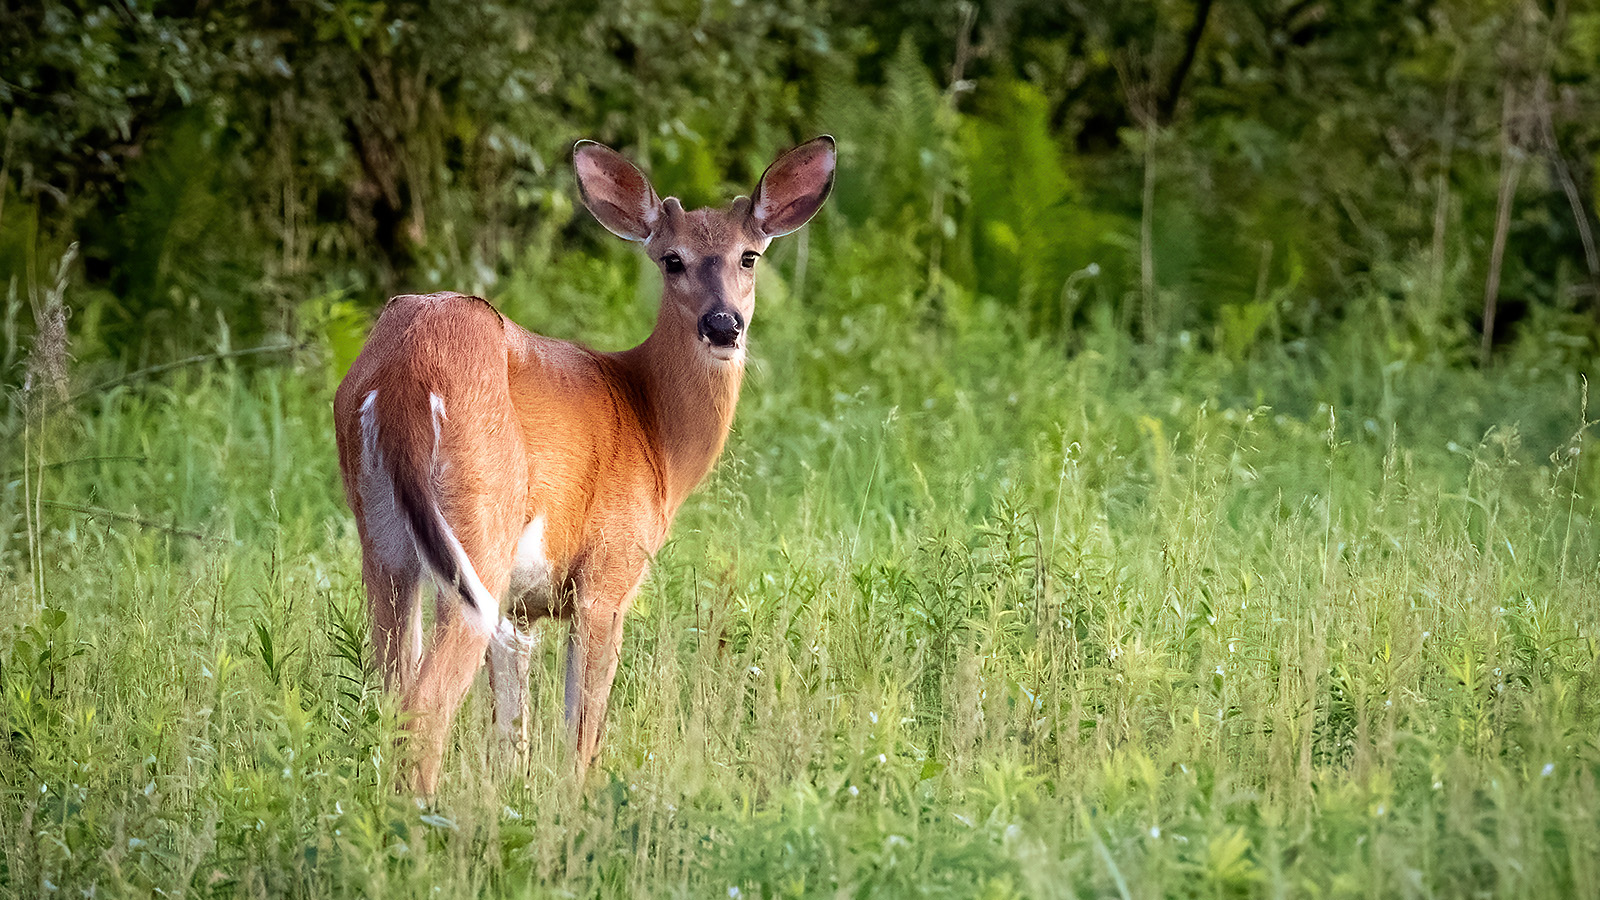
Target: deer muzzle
{"type": "Point", "coordinates": [722, 328]}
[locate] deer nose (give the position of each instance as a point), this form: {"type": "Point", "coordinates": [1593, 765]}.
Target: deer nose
{"type": "Point", "coordinates": [721, 327]}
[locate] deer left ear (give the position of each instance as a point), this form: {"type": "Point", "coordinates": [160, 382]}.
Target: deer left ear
{"type": "Point", "coordinates": [794, 187]}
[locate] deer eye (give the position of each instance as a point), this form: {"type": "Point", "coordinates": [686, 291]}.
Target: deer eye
{"type": "Point", "coordinates": [749, 259]}
{"type": "Point", "coordinates": [672, 263]}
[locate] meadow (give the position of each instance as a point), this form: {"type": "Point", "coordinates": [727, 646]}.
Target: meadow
{"type": "Point", "coordinates": [1166, 467]}
{"type": "Point", "coordinates": [963, 612]}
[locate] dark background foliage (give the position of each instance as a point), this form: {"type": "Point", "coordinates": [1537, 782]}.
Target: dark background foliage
{"type": "Point", "coordinates": [1243, 170]}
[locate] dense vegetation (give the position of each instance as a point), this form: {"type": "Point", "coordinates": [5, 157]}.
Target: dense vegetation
{"type": "Point", "coordinates": [1244, 170]}
{"type": "Point", "coordinates": [1165, 469]}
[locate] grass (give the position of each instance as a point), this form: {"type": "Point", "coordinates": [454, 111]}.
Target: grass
{"type": "Point", "coordinates": [960, 614]}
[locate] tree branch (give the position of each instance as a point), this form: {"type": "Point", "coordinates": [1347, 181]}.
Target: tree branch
{"type": "Point", "coordinates": [178, 364]}
{"type": "Point", "coordinates": [101, 513]}
{"type": "Point", "coordinates": [1191, 46]}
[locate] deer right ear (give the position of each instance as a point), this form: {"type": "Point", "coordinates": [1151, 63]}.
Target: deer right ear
{"type": "Point", "coordinates": [617, 193]}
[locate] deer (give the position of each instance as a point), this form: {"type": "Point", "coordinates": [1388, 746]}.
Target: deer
{"type": "Point", "coordinates": [526, 477]}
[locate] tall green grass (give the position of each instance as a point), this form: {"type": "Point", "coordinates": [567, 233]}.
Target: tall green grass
{"type": "Point", "coordinates": [959, 615]}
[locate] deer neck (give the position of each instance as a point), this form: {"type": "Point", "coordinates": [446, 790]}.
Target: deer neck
{"type": "Point", "coordinates": [689, 402]}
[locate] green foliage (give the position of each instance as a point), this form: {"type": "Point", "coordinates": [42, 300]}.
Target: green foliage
{"type": "Point", "coordinates": [235, 160]}
{"type": "Point", "coordinates": [1028, 223]}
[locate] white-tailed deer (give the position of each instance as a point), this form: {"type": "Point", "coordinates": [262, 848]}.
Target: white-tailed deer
{"type": "Point", "coordinates": [531, 477]}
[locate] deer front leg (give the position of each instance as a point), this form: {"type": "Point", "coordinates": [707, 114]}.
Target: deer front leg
{"type": "Point", "coordinates": [510, 650]}
{"type": "Point", "coordinates": [594, 647]}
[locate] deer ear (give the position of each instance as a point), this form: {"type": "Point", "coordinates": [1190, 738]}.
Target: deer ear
{"type": "Point", "coordinates": [617, 193]}
{"type": "Point", "coordinates": [794, 187]}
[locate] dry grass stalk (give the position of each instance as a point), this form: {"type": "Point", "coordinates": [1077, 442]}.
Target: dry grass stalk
{"type": "Point", "coordinates": [47, 360]}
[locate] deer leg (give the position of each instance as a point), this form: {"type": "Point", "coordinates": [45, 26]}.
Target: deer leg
{"type": "Point", "coordinates": [447, 673]}
{"type": "Point", "coordinates": [392, 605]}
{"type": "Point", "coordinates": [593, 649]}
{"type": "Point", "coordinates": [510, 650]}
{"type": "Point", "coordinates": [455, 654]}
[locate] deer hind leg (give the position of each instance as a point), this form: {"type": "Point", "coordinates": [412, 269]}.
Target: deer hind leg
{"type": "Point", "coordinates": [510, 651]}
{"type": "Point", "coordinates": [447, 670]}
{"type": "Point", "coordinates": [456, 650]}
{"type": "Point", "coordinates": [513, 643]}
{"type": "Point", "coordinates": [478, 495]}
{"type": "Point", "coordinates": [392, 606]}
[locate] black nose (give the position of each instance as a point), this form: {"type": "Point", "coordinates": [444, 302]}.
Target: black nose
{"type": "Point", "coordinates": [721, 327]}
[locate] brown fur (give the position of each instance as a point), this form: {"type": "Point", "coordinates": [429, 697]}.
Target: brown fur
{"type": "Point", "coordinates": [604, 446]}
